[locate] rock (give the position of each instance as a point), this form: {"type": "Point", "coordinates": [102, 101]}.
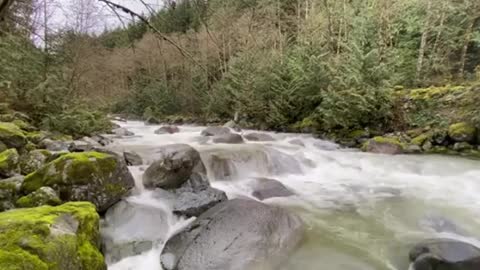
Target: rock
{"type": "Point", "coordinates": [54, 146]}
{"type": "Point", "coordinates": [80, 146]}
{"type": "Point", "coordinates": [264, 188]}
{"type": "Point", "coordinates": [235, 234]}
{"type": "Point", "coordinates": [43, 196]}
{"type": "Point", "coordinates": [231, 138]}
{"type": "Point", "coordinates": [123, 132]}
{"type": "Point", "coordinates": [12, 136]}
{"type": "Point", "coordinates": [359, 135]}
{"type": "Point", "coordinates": [233, 125]}
{"type": "Point", "coordinates": [383, 145]}
{"type": "Point", "coordinates": [102, 140]}
{"type": "Point", "coordinates": [413, 149]}
{"type": "Point", "coordinates": [152, 121]}
{"type": "Point", "coordinates": [121, 236]}
{"type": "Point", "coordinates": [462, 132]}
{"type": "Point", "coordinates": [9, 192]}
{"type": "Point", "coordinates": [100, 178]}
{"type": "Point", "coordinates": [37, 136]}
{"type": "Point", "coordinates": [421, 139]}
{"type": "Point", "coordinates": [61, 237]}
{"type": "Point", "coordinates": [24, 125]}
{"type": "Point", "coordinates": [216, 131]}
{"type": "Point", "coordinates": [259, 137]}
{"type": "Point", "coordinates": [167, 130]}
{"type": "Point", "coordinates": [297, 142]}
{"type": "Point", "coordinates": [325, 145]}
{"type": "Point", "coordinates": [33, 161]}
{"type": "Point", "coordinates": [174, 166]}
{"type": "Point", "coordinates": [427, 146]}
{"type": "Point", "coordinates": [445, 254]}
{"type": "Point", "coordinates": [3, 147]}
{"type": "Point", "coordinates": [132, 159]}
{"type": "Point", "coordinates": [462, 146]}
{"type": "Point", "coordinates": [440, 137]}
{"type": "Point", "coordinates": [9, 163]}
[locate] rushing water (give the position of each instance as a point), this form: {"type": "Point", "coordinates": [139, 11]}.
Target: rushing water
{"type": "Point", "coordinates": [363, 211]}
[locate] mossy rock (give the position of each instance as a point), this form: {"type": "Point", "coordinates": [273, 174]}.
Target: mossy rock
{"type": "Point", "coordinates": [384, 145]}
{"type": "Point", "coordinates": [100, 178]}
{"type": "Point", "coordinates": [51, 238]}
{"type": "Point", "coordinates": [421, 139]}
{"type": "Point", "coordinates": [9, 192]}
{"type": "Point", "coordinates": [6, 118]}
{"type": "Point", "coordinates": [462, 132]}
{"type": "Point", "coordinates": [43, 196]}
{"type": "Point", "coordinates": [12, 136]}
{"type": "Point", "coordinates": [36, 136]}
{"type": "Point", "coordinates": [34, 160]}
{"type": "Point", "coordinates": [3, 147]}
{"type": "Point", "coordinates": [24, 125]}
{"type": "Point", "coordinates": [9, 161]}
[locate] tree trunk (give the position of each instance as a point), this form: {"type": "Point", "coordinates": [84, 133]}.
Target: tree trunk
{"type": "Point", "coordinates": [423, 42]}
{"type": "Point", "coordinates": [466, 42]}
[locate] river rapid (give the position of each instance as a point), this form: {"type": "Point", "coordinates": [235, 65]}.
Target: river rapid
{"type": "Point", "coordinates": [363, 211]}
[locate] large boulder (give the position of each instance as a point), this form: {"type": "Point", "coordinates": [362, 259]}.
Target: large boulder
{"type": "Point", "coordinates": [132, 159]}
{"type": "Point", "coordinates": [231, 138]}
{"type": "Point", "coordinates": [264, 188]}
{"type": "Point", "coordinates": [9, 163]}
{"type": "Point", "coordinates": [100, 178]}
{"type": "Point", "coordinates": [173, 167]}
{"type": "Point", "coordinates": [83, 145]}
{"type": "Point", "coordinates": [12, 136]}
{"type": "Point", "coordinates": [235, 235]}
{"type": "Point", "coordinates": [462, 132]}
{"type": "Point", "coordinates": [9, 192]}
{"type": "Point", "coordinates": [216, 131]}
{"type": "Point", "coordinates": [384, 145]}
{"type": "Point", "coordinates": [34, 160]}
{"type": "Point", "coordinates": [54, 145]}
{"type": "Point", "coordinates": [43, 196]}
{"type": "Point", "coordinates": [51, 238]}
{"type": "Point", "coordinates": [445, 254]}
{"type": "Point", "coordinates": [259, 137]}
{"type": "Point", "coordinates": [167, 130]}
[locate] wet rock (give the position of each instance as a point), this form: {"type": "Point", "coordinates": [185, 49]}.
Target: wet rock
{"type": "Point", "coordinates": [9, 163]}
{"type": "Point", "coordinates": [259, 137]}
{"type": "Point", "coordinates": [233, 125]}
{"type": "Point", "coordinates": [445, 254]}
{"type": "Point", "coordinates": [216, 131]}
{"type": "Point", "coordinates": [12, 136]}
{"type": "Point", "coordinates": [167, 130]}
{"type": "Point", "coordinates": [384, 145]}
{"type": "Point", "coordinates": [132, 159]}
{"type": "Point", "coordinates": [236, 234]}
{"type": "Point", "coordinates": [297, 142]}
{"type": "Point", "coordinates": [231, 138]}
{"type": "Point", "coordinates": [173, 167]}
{"type": "Point", "coordinates": [54, 146]}
{"type": "Point", "coordinates": [413, 149]}
{"type": "Point", "coordinates": [462, 132]}
{"type": "Point", "coordinates": [61, 237]}
{"type": "Point", "coordinates": [264, 188]}
{"type": "Point", "coordinates": [102, 140]}
{"type": "Point", "coordinates": [43, 196]}
{"type": "Point", "coordinates": [83, 145]}
{"type": "Point", "coordinates": [123, 132]}
{"type": "Point", "coordinates": [116, 252]}
{"type": "Point", "coordinates": [100, 178]}
{"type": "Point", "coordinates": [462, 146]}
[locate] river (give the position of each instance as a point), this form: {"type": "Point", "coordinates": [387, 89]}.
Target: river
{"type": "Point", "coordinates": [363, 211]}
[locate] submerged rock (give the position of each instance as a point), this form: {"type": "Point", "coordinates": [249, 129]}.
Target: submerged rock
{"type": "Point", "coordinates": [235, 235]}
{"type": "Point", "coordinates": [12, 136]}
{"type": "Point", "coordinates": [383, 145]}
{"type": "Point", "coordinates": [167, 130]}
{"type": "Point", "coordinates": [57, 238]}
{"type": "Point", "coordinates": [43, 196]}
{"type": "Point", "coordinates": [216, 131]}
{"type": "Point", "coordinates": [173, 167]}
{"type": "Point", "coordinates": [264, 188]}
{"type": "Point", "coordinates": [259, 137]}
{"type": "Point", "coordinates": [445, 254]}
{"type": "Point", "coordinates": [34, 160]}
{"type": "Point", "coordinates": [231, 138]}
{"type": "Point", "coordinates": [100, 178]}
{"type": "Point", "coordinates": [462, 132]}
{"type": "Point", "coordinates": [132, 159]}
{"type": "Point", "coordinates": [9, 163]}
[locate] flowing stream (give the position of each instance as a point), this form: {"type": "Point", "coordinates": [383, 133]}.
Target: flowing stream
{"type": "Point", "coordinates": [363, 211]}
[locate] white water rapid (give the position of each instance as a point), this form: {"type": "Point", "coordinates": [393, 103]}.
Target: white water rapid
{"type": "Point", "coordinates": [363, 211]}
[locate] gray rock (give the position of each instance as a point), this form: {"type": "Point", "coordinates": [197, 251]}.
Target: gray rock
{"type": "Point", "coordinates": [259, 137]}
{"type": "Point", "coordinates": [413, 149]}
{"type": "Point", "coordinates": [102, 140]}
{"type": "Point", "coordinates": [382, 145]}
{"type": "Point", "coordinates": [462, 146]}
{"type": "Point", "coordinates": [173, 167]}
{"type": "Point", "coordinates": [233, 125]}
{"type": "Point", "coordinates": [264, 188]}
{"type": "Point", "coordinates": [9, 163]}
{"type": "Point", "coordinates": [122, 132]}
{"type": "Point", "coordinates": [43, 196]}
{"type": "Point", "coordinates": [216, 131]}
{"type": "Point", "coordinates": [9, 192]}
{"type": "Point", "coordinates": [80, 146]}
{"type": "Point", "coordinates": [54, 146]}
{"type": "Point", "coordinates": [427, 146]}
{"type": "Point", "coordinates": [167, 130]}
{"type": "Point", "coordinates": [445, 254]}
{"type": "Point", "coordinates": [117, 252]}
{"type": "Point", "coordinates": [235, 235]}
{"type": "Point", "coordinates": [231, 138]}
{"type": "Point", "coordinates": [132, 159]}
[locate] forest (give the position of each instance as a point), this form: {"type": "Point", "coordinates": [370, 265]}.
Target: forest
{"type": "Point", "coordinates": [323, 66]}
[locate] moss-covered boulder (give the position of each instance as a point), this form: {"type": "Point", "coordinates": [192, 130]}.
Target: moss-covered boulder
{"type": "Point", "coordinates": [9, 160]}
{"type": "Point", "coordinates": [9, 192]}
{"type": "Point", "coordinates": [37, 136]}
{"type": "Point", "coordinates": [43, 196]}
{"type": "Point", "coordinates": [34, 160]}
{"type": "Point", "coordinates": [3, 147]}
{"type": "Point", "coordinates": [100, 178]}
{"type": "Point", "coordinates": [51, 238]}
{"type": "Point", "coordinates": [384, 145]}
{"type": "Point", "coordinates": [462, 132]}
{"type": "Point", "coordinates": [12, 136]}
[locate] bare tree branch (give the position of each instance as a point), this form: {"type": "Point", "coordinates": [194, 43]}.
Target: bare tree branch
{"type": "Point", "coordinates": [155, 30]}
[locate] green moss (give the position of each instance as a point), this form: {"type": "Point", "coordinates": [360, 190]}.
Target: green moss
{"type": "Point", "coordinates": [435, 92]}
{"type": "Point", "coordinates": [384, 140]}
{"type": "Point", "coordinates": [34, 238]}
{"type": "Point", "coordinates": [421, 139]}
{"type": "Point", "coordinates": [43, 196]}
{"type": "Point", "coordinates": [9, 162]}
{"type": "Point", "coordinates": [356, 134]}
{"type": "Point", "coordinates": [6, 118]}
{"type": "Point", "coordinates": [23, 125]}
{"type": "Point", "coordinates": [36, 136]}
{"type": "Point", "coordinates": [462, 132]}
{"type": "Point", "coordinates": [12, 135]}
